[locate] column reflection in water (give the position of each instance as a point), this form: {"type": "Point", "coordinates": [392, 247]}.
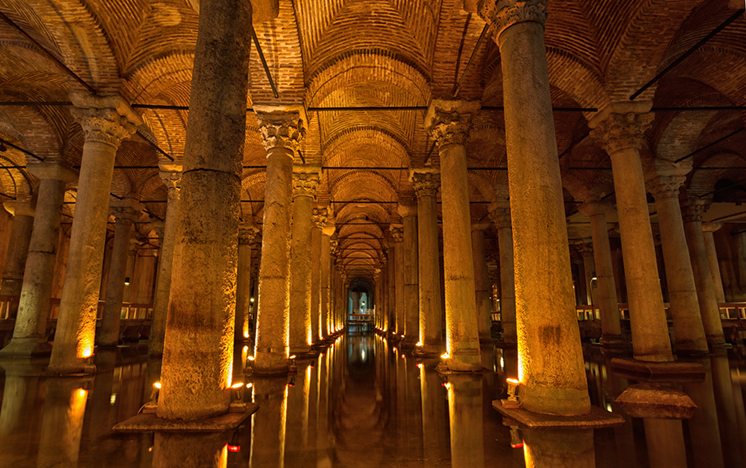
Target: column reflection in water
{"type": "Point", "coordinates": [465, 415]}
{"type": "Point", "coordinates": [704, 432]}
{"type": "Point", "coordinates": [19, 413]}
{"type": "Point", "coordinates": [560, 448]}
{"type": "Point", "coordinates": [726, 411]}
{"type": "Point", "coordinates": [323, 444]}
{"type": "Point", "coordinates": [190, 450]}
{"type": "Point", "coordinates": [269, 423]}
{"type": "Point", "coordinates": [298, 406]}
{"type": "Point", "coordinates": [62, 422]}
{"type": "Point", "coordinates": [434, 415]}
{"type": "Point", "coordinates": [665, 442]}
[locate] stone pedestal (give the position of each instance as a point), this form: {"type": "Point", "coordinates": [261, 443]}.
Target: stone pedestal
{"type": "Point", "coordinates": [410, 272]}
{"type": "Point", "coordinates": [619, 128]}
{"type": "Point", "coordinates": [305, 182]}
{"type": "Point", "coordinates": [482, 283]}
{"type": "Point", "coordinates": [282, 130]}
{"type": "Point", "coordinates": [246, 235]}
{"type": "Point", "coordinates": [426, 183]}
{"type": "Point", "coordinates": [171, 176]}
{"type": "Point", "coordinates": [501, 217]}
{"type": "Point", "coordinates": [684, 307]}
{"type": "Point", "coordinates": [198, 347]}
{"type": "Point", "coordinates": [125, 212]}
{"type": "Point", "coordinates": [106, 122]}
{"type": "Point", "coordinates": [605, 292]}
{"type": "Point", "coordinates": [18, 247]}
{"type": "Point", "coordinates": [550, 357]}
{"type": "Point", "coordinates": [449, 123]}
{"type": "Point", "coordinates": [29, 333]}
{"type": "Point", "coordinates": [708, 230]}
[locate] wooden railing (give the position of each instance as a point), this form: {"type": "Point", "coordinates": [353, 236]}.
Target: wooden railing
{"type": "Point", "coordinates": [360, 318]}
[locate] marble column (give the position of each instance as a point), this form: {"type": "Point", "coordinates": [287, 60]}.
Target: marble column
{"type": "Point", "coordinates": [246, 235]}
{"type": "Point", "coordinates": [29, 333]}
{"type": "Point", "coordinates": [325, 279]}
{"type": "Point", "coordinates": [106, 121]}
{"type": "Point", "coordinates": [708, 304]}
{"type": "Point", "coordinates": [125, 212]}
{"type": "Point", "coordinates": [551, 359]}
{"type": "Point", "coordinates": [426, 183]}
{"type": "Point", "coordinates": [305, 182]}
{"type": "Point", "coordinates": [411, 311]}
{"type": "Point", "coordinates": [397, 236]}
{"type": "Point", "coordinates": [319, 221]}
{"type": "Point", "coordinates": [448, 123]}
{"type": "Point", "coordinates": [18, 246]}
{"type": "Point", "coordinates": [198, 348]}
{"type": "Point", "coordinates": [682, 293]}
{"type": "Point", "coordinates": [501, 217]}
{"type": "Point", "coordinates": [586, 252]}
{"type": "Point", "coordinates": [482, 283]}
{"type": "Point", "coordinates": [282, 130]}
{"type": "Point", "coordinates": [708, 230]}
{"type": "Point", "coordinates": [171, 177]}
{"type": "Point", "coordinates": [619, 128]}
{"type": "Point", "coordinates": [605, 293]}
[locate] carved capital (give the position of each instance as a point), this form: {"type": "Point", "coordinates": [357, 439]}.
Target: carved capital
{"type": "Point", "coordinates": [693, 210]}
{"type": "Point", "coordinates": [247, 233]}
{"type": "Point", "coordinates": [281, 129]}
{"type": "Point", "coordinates": [305, 183]}
{"type": "Point", "coordinates": [107, 120]}
{"type": "Point", "coordinates": [502, 14]}
{"type": "Point", "coordinates": [665, 186]}
{"type": "Point", "coordinates": [449, 121]}
{"type": "Point", "coordinates": [333, 246]}
{"type": "Point", "coordinates": [397, 233]}
{"type": "Point", "coordinates": [621, 126]}
{"type": "Point", "coordinates": [320, 217]}
{"type": "Point", "coordinates": [584, 247]}
{"type": "Point", "coordinates": [425, 182]}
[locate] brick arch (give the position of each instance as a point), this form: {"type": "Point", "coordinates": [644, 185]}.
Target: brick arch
{"type": "Point", "coordinates": [702, 182]}
{"type": "Point", "coordinates": [358, 185]}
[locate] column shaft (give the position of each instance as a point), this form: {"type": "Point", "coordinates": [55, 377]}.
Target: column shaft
{"type": "Point", "coordinates": [482, 283]}
{"type": "Point", "coordinates": [411, 294]}
{"type": "Point", "coordinates": [507, 275]}
{"type": "Point", "coordinates": [397, 233]}
{"type": "Point", "coordinates": [324, 280]}
{"type": "Point", "coordinates": [246, 236]}
{"type": "Point", "coordinates": [18, 247]}
{"type": "Point", "coordinates": [712, 258]}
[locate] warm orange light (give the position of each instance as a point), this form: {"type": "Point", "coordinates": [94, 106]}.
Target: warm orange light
{"type": "Point", "coordinates": [237, 385]}
{"type": "Point", "coordinates": [157, 385]}
{"type": "Point", "coordinates": [419, 365]}
{"type": "Point", "coordinates": [512, 381]}
{"type": "Point", "coordinates": [445, 356]}
{"type": "Point", "coordinates": [250, 358]}
{"type": "Point", "coordinates": [419, 344]}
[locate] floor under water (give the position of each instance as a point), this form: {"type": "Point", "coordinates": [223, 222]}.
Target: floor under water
{"type": "Point", "coordinates": [360, 403]}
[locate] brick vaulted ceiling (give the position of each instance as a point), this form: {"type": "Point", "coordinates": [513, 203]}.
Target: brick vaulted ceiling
{"type": "Point", "coordinates": [373, 54]}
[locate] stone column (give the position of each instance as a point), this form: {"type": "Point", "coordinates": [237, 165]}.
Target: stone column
{"type": "Point", "coordinates": [282, 131]}
{"type": "Point", "coordinates": [605, 293]}
{"type": "Point", "coordinates": [482, 283]}
{"type": "Point", "coordinates": [501, 217]}
{"type": "Point", "coordinates": [171, 177]}
{"type": "Point", "coordinates": [619, 128]}
{"type": "Point", "coordinates": [319, 221]}
{"type": "Point", "coordinates": [29, 333]}
{"type": "Point", "coordinates": [411, 310]}
{"type": "Point", "coordinates": [708, 304]}
{"type": "Point", "coordinates": [449, 123]}
{"type": "Point", "coordinates": [305, 182]}
{"type": "Point", "coordinates": [708, 230]}
{"type": "Point", "coordinates": [551, 360]}
{"type": "Point", "coordinates": [198, 347]}
{"type": "Point", "coordinates": [246, 235]}
{"type": "Point", "coordinates": [684, 306]}
{"type": "Point", "coordinates": [397, 236]}
{"type": "Point", "coordinates": [586, 252]}
{"type": "Point", "coordinates": [106, 122]}
{"type": "Point", "coordinates": [426, 183]}
{"type": "Point", "coordinates": [18, 246]}
{"type": "Point", "coordinates": [325, 279]}
{"type": "Point", "coordinates": [125, 212]}
{"type": "Point", "coordinates": [391, 287]}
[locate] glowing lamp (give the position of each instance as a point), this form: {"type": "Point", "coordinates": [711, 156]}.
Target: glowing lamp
{"type": "Point", "coordinates": [86, 352]}
{"type": "Point", "coordinates": [419, 344]}
{"type": "Point", "coordinates": [237, 391]}
{"type": "Point", "coordinates": [445, 356]}
{"type": "Point", "coordinates": [126, 280]}
{"type": "Point", "coordinates": [447, 385]}
{"type": "Point", "coordinates": [245, 333]}
{"type": "Point", "coordinates": [155, 392]}
{"type": "Point", "coordinates": [513, 390]}
{"type": "Point", "coordinates": [234, 448]}
{"type": "Point", "coordinates": [250, 358]}
{"type": "Point", "coordinates": [516, 440]}
{"type": "Point", "coordinates": [157, 385]}
{"type": "Point", "coordinates": [251, 300]}
{"type": "Point", "coordinates": [292, 356]}
{"type": "Point", "coordinates": [419, 365]}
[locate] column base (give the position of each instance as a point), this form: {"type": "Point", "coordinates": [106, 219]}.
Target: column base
{"type": "Point", "coordinates": [72, 369]}
{"type": "Point", "coordinates": [656, 401]}
{"type": "Point", "coordinates": [26, 347]}
{"type": "Point", "coordinates": [595, 419]}
{"type": "Point", "coordinates": [304, 353]}
{"type": "Point", "coordinates": [647, 371]}
{"type": "Point", "coordinates": [428, 350]}
{"type": "Point", "coordinates": [408, 342]}
{"type": "Point", "coordinates": [717, 342]}
{"type": "Point", "coordinates": [452, 365]}
{"type": "Point", "coordinates": [149, 422]}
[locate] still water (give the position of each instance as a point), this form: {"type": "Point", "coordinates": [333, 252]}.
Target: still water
{"type": "Point", "coordinates": [360, 403]}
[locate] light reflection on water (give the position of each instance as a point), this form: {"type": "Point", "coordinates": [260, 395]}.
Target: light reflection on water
{"type": "Point", "coordinates": [361, 402]}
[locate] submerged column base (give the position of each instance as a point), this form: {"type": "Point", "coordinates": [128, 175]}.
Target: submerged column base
{"type": "Point", "coordinates": [26, 347]}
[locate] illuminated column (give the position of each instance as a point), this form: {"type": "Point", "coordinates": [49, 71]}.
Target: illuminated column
{"type": "Point", "coordinates": [106, 122]}
{"type": "Point", "coordinates": [29, 334]}
{"type": "Point", "coordinates": [426, 183]}
{"type": "Point", "coordinates": [684, 305]}
{"type": "Point", "coordinates": [190, 450]}
{"type": "Point", "coordinates": [305, 182]}
{"type": "Point", "coordinates": [325, 279]}
{"type": "Point", "coordinates": [712, 258]}
{"type": "Point", "coordinates": [319, 221]}
{"type": "Point", "coordinates": [619, 128]}
{"type": "Point", "coordinates": [171, 177]}
{"type": "Point", "coordinates": [482, 283]}
{"type": "Point", "coordinates": [559, 448]}
{"type": "Point", "coordinates": [501, 217]}
{"type": "Point", "coordinates": [198, 347]}
{"type": "Point", "coordinates": [397, 236]}
{"type": "Point", "coordinates": [605, 293]}
{"type": "Point", "coordinates": [586, 252]}
{"type": "Point", "coordinates": [708, 304]}
{"type": "Point", "coordinates": [391, 287]}
{"type": "Point", "coordinates": [246, 235]}
{"type": "Point", "coordinates": [282, 131]}
{"type": "Point", "coordinates": [62, 422]}
{"type": "Point", "coordinates": [125, 212]}
{"type": "Point", "coordinates": [449, 123]}
{"type": "Point", "coordinates": [550, 357]}
{"type": "Point", "coordinates": [411, 316]}
{"type": "Point", "coordinates": [18, 246]}
{"type": "Point", "coordinates": [466, 418]}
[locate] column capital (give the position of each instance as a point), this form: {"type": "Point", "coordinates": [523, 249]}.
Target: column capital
{"type": "Point", "coordinates": [500, 215]}
{"type": "Point", "coordinates": [306, 181]}
{"type": "Point", "coordinates": [23, 206]}
{"type": "Point", "coordinates": [665, 186]}
{"type": "Point", "coordinates": [170, 174]}
{"type": "Point", "coordinates": [693, 209]}
{"type": "Point", "coordinates": [449, 121]}
{"type": "Point", "coordinates": [583, 246]}
{"type": "Point", "coordinates": [425, 182]}
{"type": "Point", "coordinates": [320, 215]}
{"type": "Point", "coordinates": [502, 14]}
{"type": "Point", "coordinates": [621, 126]}
{"type": "Point", "coordinates": [333, 244]}
{"type": "Point", "coordinates": [711, 227]}
{"type": "Point", "coordinates": [281, 127]}
{"type": "Point", "coordinates": [397, 232]}
{"type": "Point", "coordinates": [52, 169]}
{"type": "Point", "coordinates": [126, 210]}
{"type": "Point", "coordinates": [247, 232]}
{"type": "Point", "coordinates": [107, 120]}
